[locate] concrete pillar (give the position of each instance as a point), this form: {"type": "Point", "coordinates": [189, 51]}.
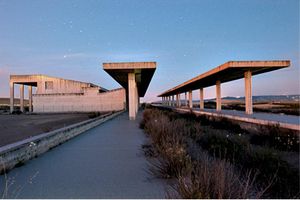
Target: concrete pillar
{"type": "Point", "coordinates": [132, 96]}
{"type": "Point", "coordinates": [137, 104]}
{"type": "Point", "coordinates": [190, 99]}
{"type": "Point", "coordinates": [22, 98]}
{"type": "Point", "coordinates": [173, 101]}
{"type": "Point", "coordinates": [179, 100]}
{"type": "Point", "coordinates": [30, 98]}
{"type": "Point", "coordinates": [186, 101]}
{"type": "Point", "coordinates": [248, 92]}
{"type": "Point", "coordinates": [201, 98]}
{"type": "Point", "coordinates": [12, 96]}
{"type": "Point", "coordinates": [218, 95]}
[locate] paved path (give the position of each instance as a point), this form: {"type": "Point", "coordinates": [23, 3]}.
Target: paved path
{"type": "Point", "coordinates": [104, 162]}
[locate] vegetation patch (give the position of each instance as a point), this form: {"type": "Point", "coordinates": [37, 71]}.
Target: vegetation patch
{"type": "Point", "coordinates": [216, 158]}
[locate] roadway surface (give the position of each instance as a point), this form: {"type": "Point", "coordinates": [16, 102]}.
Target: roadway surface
{"type": "Point", "coordinates": [104, 162]}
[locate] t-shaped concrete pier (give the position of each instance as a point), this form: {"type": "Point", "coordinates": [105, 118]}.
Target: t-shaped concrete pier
{"type": "Point", "coordinates": [135, 77]}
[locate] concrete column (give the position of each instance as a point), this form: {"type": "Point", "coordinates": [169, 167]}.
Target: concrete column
{"type": "Point", "coordinates": [248, 92]}
{"type": "Point", "coordinates": [186, 101]}
{"type": "Point", "coordinates": [22, 98]}
{"type": "Point", "coordinates": [190, 99]}
{"type": "Point", "coordinates": [30, 98]}
{"type": "Point", "coordinates": [173, 101]}
{"type": "Point", "coordinates": [201, 98]}
{"type": "Point", "coordinates": [218, 95]}
{"type": "Point", "coordinates": [179, 101]}
{"type": "Point", "coordinates": [132, 96]}
{"type": "Point", "coordinates": [137, 103]}
{"type": "Point", "coordinates": [12, 96]}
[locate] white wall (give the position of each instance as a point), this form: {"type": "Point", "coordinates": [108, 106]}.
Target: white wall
{"type": "Point", "coordinates": [90, 101]}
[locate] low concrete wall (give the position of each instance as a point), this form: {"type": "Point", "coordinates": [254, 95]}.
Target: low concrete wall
{"type": "Point", "coordinates": [18, 153]}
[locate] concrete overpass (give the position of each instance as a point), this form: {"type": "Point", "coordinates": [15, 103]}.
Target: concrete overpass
{"type": "Point", "coordinates": [228, 71]}
{"type": "Point", "coordinates": [135, 77]}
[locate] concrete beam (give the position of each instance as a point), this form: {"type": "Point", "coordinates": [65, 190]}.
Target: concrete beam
{"type": "Point", "coordinates": [218, 95]}
{"type": "Point", "coordinates": [30, 98]}
{"type": "Point", "coordinates": [12, 96]}
{"type": "Point", "coordinates": [201, 98]}
{"type": "Point", "coordinates": [248, 92]}
{"type": "Point", "coordinates": [22, 98]}
{"type": "Point", "coordinates": [190, 99]}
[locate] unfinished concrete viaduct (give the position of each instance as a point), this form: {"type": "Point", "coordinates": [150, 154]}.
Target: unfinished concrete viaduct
{"type": "Point", "coordinates": [62, 95]}
{"type": "Point", "coordinates": [228, 71]}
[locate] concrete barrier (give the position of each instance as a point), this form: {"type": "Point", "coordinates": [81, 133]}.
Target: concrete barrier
{"type": "Point", "coordinates": [18, 153]}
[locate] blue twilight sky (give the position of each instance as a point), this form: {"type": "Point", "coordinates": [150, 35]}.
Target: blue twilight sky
{"type": "Point", "coordinates": [71, 39]}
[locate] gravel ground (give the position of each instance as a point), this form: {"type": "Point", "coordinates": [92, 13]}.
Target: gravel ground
{"type": "Point", "coordinates": [14, 128]}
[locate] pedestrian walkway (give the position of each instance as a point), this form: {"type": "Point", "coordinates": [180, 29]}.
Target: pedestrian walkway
{"type": "Point", "coordinates": [104, 162]}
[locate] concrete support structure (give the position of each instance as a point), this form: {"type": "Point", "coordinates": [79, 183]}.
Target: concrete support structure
{"type": "Point", "coordinates": [137, 100]}
{"type": "Point", "coordinates": [173, 100]}
{"type": "Point", "coordinates": [190, 99]}
{"type": "Point", "coordinates": [12, 96]}
{"type": "Point", "coordinates": [248, 92]}
{"type": "Point", "coordinates": [185, 98]}
{"type": "Point", "coordinates": [178, 100]}
{"type": "Point", "coordinates": [132, 92]}
{"type": "Point", "coordinates": [135, 77]}
{"type": "Point", "coordinates": [201, 98]}
{"type": "Point", "coordinates": [229, 71]}
{"type": "Point", "coordinates": [30, 98]}
{"type": "Point", "coordinates": [22, 98]}
{"type": "Point", "coordinates": [218, 96]}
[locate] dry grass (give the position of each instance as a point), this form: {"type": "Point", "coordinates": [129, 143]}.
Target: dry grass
{"type": "Point", "coordinates": [217, 179]}
{"type": "Point", "coordinates": [224, 165]}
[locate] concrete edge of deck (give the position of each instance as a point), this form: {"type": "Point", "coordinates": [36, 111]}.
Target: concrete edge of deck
{"type": "Point", "coordinates": [293, 127]}
{"type": "Point", "coordinates": [20, 152]}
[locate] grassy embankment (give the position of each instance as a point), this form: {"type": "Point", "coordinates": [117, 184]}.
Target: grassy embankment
{"type": "Point", "coordinates": [209, 158]}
